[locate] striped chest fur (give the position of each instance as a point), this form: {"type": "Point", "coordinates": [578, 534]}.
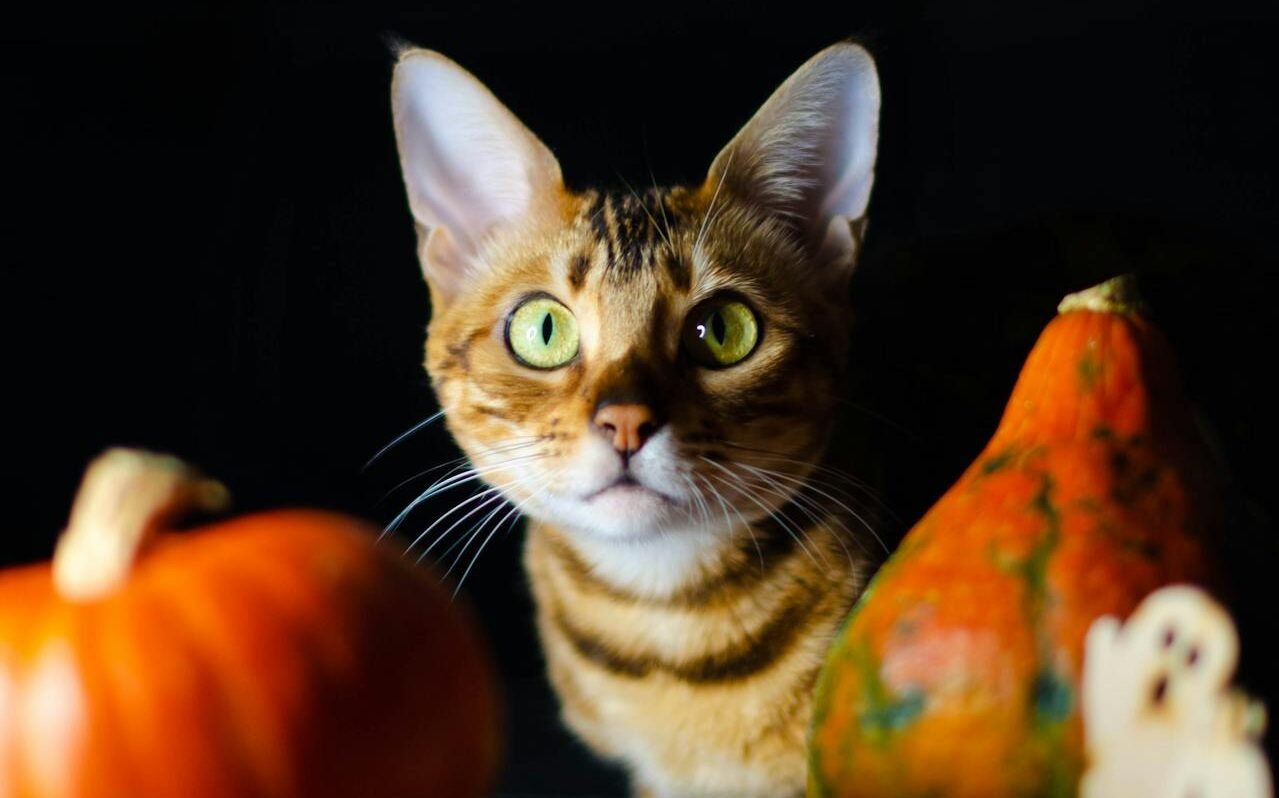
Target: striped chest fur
{"type": "Point", "coordinates": [651, 379]}
{"type": "Point", "coordinates": [705, 691]}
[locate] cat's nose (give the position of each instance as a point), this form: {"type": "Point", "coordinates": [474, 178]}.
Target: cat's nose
{"type": "Point", "coordinates": [627, 426]}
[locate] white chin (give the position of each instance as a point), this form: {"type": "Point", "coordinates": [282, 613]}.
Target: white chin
{"type": "Point", "coordinates": [620, 513]}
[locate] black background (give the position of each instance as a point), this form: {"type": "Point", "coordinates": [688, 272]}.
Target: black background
{"type": "Point", "coordinates": [208, 250]}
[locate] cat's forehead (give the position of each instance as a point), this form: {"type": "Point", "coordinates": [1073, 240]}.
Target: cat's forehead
{"type": "Point", "coordinates": [628, 239]}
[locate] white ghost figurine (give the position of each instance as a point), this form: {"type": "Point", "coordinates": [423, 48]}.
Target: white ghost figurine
{"type": "Point", "coordinates": [1159, 717]}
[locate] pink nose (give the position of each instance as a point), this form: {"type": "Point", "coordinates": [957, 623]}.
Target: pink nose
{"type": "Point", "coordinates": [628, 426]}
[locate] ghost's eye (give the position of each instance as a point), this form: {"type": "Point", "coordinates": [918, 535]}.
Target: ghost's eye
{"type": "Point", "coordinates": [542, 333]}
{"type": "Point", "coordinates": [721, 332]}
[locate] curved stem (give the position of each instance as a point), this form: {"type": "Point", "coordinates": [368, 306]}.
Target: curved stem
{"type": "Point", "coordinates": [125, 496]}
{"type": "Point", "coordinates": [1116, 295]}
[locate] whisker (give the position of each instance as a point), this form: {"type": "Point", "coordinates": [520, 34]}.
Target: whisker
{"type": "Point", "coordinates": [786, 522]}
{"type": "Point", "coordinates": [404, 435]}
{"type": "Point", "coordinates": [793, 497]}
{"type": "Point", "coordinates": [487, 495]}
{"type": "Point", "coordinates": [787, 495]}
{"type": "Point", "coordinates": [817, 514]}
{"type": "Point", "coordinates": [661, 206]}
{"type": "Point", "coordinates": [657, 192]}
{"type": "Point", "coordinates": [698, 500]}
{"type": "Point", "coordinates": [509, 521]}
{"type": "Point", "coordinates": [512, 513]}
{"type": "Point", "coordinates": [497, 503]}
{"type": "Point", "coordinates": [458, 463]}
{"type": "Point", "coordinates": [465, 539]}
{"type": "Point", "coordinates": [866, 524]}
{"type": "Point", "coordinates": [644, 207]}
{"type": "Point", "coordinates": [814, 512]}
{"type": "Point", "coordinates": [697, 243]}
{"type": "Point", "coordinates": [784, 457]}
{"type": "Point", "coordinates": [450, 479]}
{"type": "Point", "coordinates": [441, 485]}
{"type": "Point", "coordinates": [448, 483]}
{"type": "Point", "coordinates": [861, 485]}
{"type": "Point", "coordinates": [495, 492]}
{"type": "Point", "coordinates": [725, 505]}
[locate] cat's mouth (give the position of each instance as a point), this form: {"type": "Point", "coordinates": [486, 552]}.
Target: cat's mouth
{"type": "Point", "coordinates": [624, 485]}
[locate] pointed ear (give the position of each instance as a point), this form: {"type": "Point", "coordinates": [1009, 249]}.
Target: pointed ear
{"type": "Point", "coordinates": [469, 165]}
{"type": "Point", "coordinates": [808, 155]}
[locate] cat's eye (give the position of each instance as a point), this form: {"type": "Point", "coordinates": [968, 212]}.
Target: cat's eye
{"type": "Point", "coordinates": [721, 332]}
{"type": "Point", "coordinates": [542, 333]}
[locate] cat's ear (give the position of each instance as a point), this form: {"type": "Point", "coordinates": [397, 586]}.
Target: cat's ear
{"type": "Point", "coordinates": [808, 155]}
{"type": "Point", "coordinates": [470, 166]}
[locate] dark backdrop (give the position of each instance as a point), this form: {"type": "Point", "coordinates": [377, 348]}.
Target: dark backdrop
{"type": "Point", "coordinates": [208, 251]}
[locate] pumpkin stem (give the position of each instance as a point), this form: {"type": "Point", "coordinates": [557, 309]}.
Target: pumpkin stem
{"type": "Point", "coordinates": [125, 496]}
{"type": "Point", "coordinates": [1116, 295]}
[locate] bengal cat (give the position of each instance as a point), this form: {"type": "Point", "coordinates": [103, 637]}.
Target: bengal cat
{"type": "Point", "coordinates": [651, 378]}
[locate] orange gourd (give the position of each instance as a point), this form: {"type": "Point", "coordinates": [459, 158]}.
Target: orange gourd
{"type": "Point", "coordinates": [277, 655]}
{"type": "Point", "coordinates": [957, 674]}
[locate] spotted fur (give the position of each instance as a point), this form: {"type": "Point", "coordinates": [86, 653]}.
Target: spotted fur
{"type": "Point", "coordinates": [683, 625]}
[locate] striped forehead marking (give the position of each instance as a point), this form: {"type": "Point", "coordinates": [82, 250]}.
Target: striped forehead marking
{"type": "Point", "coordinates": [632, 230]}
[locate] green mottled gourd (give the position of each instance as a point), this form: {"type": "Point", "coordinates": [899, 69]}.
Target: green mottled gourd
{"type": "Point", "coordinates": [957, 673]}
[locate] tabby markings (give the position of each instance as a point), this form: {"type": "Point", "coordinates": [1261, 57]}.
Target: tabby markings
{"type": "Point", "coordinates": [633, 230]}
{"type": "Point", "coordinates": [577, 272]}
{"type": "Point", "coordinates": [678, 269]}
{"type": "Point", "coordinates": [754, 654]}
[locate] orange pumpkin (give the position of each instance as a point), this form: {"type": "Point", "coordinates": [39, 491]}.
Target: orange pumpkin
{"type": "Point", "coordinates": [957, 674]}
{"type": "Point", "coordinates": [280, 654]}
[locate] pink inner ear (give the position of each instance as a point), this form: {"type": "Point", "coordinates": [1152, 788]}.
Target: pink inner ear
{"type": "Point", "coordinates": [469, 165]}
{"type": "Point", "coordinates": [809, 152]}
{"type": "Point", "coordinates": [443, 263]}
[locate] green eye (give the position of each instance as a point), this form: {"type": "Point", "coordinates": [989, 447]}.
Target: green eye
{"type": "Point", "coordinates": [542, 333]}
{"type": "Point", "coordinates": [721, 332]}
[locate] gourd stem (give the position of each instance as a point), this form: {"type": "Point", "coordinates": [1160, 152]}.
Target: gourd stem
{"type": "Point", "coordinates": [125, 496]}
{"type": "Point", "coordinates": [1116, 295]}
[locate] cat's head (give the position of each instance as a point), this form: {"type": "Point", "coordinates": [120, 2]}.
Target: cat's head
{"type": "Point", "coordinates": [626, 365]}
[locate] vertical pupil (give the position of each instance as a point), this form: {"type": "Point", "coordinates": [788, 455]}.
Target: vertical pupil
{"type": "Point", "coordinates": [718, 327]}
{"type": "Point", "coordinates": [548, 327]}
